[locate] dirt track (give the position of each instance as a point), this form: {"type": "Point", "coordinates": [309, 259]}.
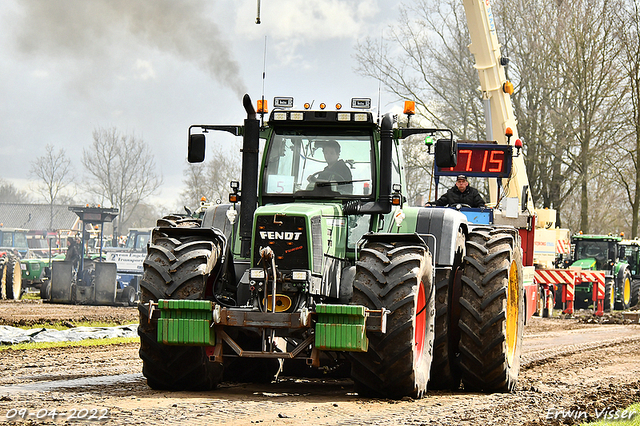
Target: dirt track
{"type": "Point", "coordinates": [569, 366]}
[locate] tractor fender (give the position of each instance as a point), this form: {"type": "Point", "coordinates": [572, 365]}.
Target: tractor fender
{"type": "Point", "coordinates": [216, 217]}
{"type": "Point", "coordinates": [443, 223]}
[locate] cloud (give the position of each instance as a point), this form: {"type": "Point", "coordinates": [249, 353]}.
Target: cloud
{"type": "Point", "coordinates": [99, 36]}
{"type": "Point", "coordinates": [144, 70]}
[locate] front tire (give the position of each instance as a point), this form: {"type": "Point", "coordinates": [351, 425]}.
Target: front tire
{"type": "Point", "coordinates": [625, 292]}
{"type": "Point", "coordinates": [398, 277]}
{"type": "Point", "coordinates": [175, 268]}
{"type": "Point", "coordinates": [609, 295]}
{"type": "Point", "coordinates": [492, 311]}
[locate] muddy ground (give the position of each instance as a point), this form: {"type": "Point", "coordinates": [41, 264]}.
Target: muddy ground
{"type": "Point", "coordinates": [574, 368]}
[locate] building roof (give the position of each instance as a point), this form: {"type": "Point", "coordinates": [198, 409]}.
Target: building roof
{"type": "Point", "coordinates": [37, 216]}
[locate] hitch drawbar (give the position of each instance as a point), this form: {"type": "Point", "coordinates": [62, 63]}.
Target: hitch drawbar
{"type": "Point", "coordinates": [336, 327]}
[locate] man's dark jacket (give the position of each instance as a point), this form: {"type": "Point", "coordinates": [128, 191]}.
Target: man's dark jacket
{"type": "Point", "coordinates": [470, 196]}
{"type": "Point", "coordinates": [338, 172]}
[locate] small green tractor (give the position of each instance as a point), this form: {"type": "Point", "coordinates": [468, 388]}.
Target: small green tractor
{"type": "Point", "coordinates": [13, 246]}
{"type": "Point", "coordinates": [309, 271]}
{"type": "Point", "coordinates": [619, 261]}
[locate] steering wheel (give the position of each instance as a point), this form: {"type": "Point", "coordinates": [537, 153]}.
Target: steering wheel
{"type": "Point", "coordinates": [458, 206]}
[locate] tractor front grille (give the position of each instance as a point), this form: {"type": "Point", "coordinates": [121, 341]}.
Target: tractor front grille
{"type": "Point", "coordinates": [287, 237]}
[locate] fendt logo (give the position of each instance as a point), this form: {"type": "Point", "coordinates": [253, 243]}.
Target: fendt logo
{"type": "Point", "coordinates": [273, 235]}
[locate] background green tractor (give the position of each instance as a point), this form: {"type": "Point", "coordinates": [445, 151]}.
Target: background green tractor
{"type": "Point", "coordinates": [629, 250]}
{"type": "Point", "coordinates": [603, 253]}
{"type": "Point", "coordinates": [328, 272]}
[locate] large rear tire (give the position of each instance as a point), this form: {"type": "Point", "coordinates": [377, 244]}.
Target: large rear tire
{"type": "Point", "coordinates": [444, 371]}
{"type": "Point", "coordinates": [492, 311]}
{"type": "Point", "coordinates": [14, 278]}
{"type": "Point", "coordinates": [635, 292]}
{"type": "Point", "coordinates": [175, 268]}
{"type": "Point", "coordinates": [398, 277]}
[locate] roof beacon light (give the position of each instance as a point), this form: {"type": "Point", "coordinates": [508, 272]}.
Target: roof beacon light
{"type": "Point", "coordinates": [262, 106]}
{"type": "Point", "coordinates": [361, 103]}
{"type": "Point", "coordinates": [409, 107]}
{"type": "Point", "coordinates": [507, 87]}
{"type": "Point", "coordinates": [283, 102]}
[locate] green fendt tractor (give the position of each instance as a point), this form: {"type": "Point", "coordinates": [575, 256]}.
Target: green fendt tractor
{"type": "Point", "coordinates": [605, 253]}
{"type": "Point", "coordinates": [316, 264]}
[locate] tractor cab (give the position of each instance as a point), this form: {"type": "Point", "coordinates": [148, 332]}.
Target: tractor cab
{"type": "Point", "coordinates": [595, 252]}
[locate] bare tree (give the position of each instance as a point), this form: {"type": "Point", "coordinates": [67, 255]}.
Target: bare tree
{"type": "Point", "coordinates": [53, 169]}
{"type": "Point", "coordinates": [625, 160]}
{"type": "Point", "coordinates": [121, 170]}
{"type": "Point", "coordinates": [10, 194]}
{"type": "Point", "coordinates": [211, 179]}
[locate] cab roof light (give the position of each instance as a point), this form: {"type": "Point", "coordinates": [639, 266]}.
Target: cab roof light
{"type": "Point", "coordinates": [507, 87]}
{"type": "Point", "coordinates": [409, 107]}
{"type": "Point", "coordinates": [307, 105]}
{"type": "Point", "coordinates": [296, 115]}
{"type": "Point", "coordinates": [323, 105]}
{"type": "Point", "coordinates": [283, 102]}
{"type": "Point", "coordinates": [344, 116]}
{"type": "Point", "coordinates": [338, 106]}
{"type": "Point", "coordinates": [360, 116]}
{"type": "Point", "coordinates": [361, 103]}
{"type": "Point", "coordinates": [262, 106]}
{"type": "Point", "coordinates": [279, 116]}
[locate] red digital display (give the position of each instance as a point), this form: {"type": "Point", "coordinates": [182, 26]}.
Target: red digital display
{"type": "Point", "coordinates": [481, 160]}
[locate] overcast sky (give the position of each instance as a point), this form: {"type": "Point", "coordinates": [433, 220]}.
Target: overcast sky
{"type": "Point", "coordinates": [152, 68]}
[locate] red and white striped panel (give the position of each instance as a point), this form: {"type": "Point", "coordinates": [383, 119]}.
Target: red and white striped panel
{"type": "Point", "coordinates": [600, 286]}
{"type": "Point", "coordinates": [563, 246]}
{"type": "Point", "coordinates": [592, 277]}
{"type": "Point", "coordinates": [555, 276]}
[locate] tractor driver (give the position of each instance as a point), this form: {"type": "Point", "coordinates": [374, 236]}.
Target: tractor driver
{"type": "Point", "coordinates": [336, 169]}
{"type": "Point", "coordinates": [73, 251]}
{"type": "Point", "coordinates": [461, 193]}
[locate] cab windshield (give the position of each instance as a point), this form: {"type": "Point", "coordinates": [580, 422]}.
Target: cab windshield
{"type": "Point", "coordinates": [317, 164]}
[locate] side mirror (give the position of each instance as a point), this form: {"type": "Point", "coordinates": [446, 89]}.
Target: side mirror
{"type": "Point", "coordinates": [196, 148]}
{"type": "Point", "coordinates": [446, 153]}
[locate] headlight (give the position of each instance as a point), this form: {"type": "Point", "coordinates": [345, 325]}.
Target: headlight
{"type": "Point", "coordinates": [256, 274]}
{"type": "Point", "coordinates": [299, 275]}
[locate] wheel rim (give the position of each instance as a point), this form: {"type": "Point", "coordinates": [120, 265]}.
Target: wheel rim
{"type": "Point", "coordinates": [612, 296]}
{"type": "Point", "coordinates": [513, 298]}
{"type": "Point", "coordinates": [627, 291]}
{"type": "Point", "coordinates": [421, 324]}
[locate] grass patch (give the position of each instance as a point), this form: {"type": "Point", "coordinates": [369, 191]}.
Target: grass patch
{"type": "Point", "coordinates": [30, 295]}
{"type": "Point", "coordinates": [87, 342]}
{"type": "Point", "coordinates": [65, 325]}
{"type": "Point", "coordinates": [629, 412]}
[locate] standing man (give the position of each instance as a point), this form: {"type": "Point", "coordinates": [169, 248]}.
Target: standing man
{"type": "Point", "coordinates": [336, 170]}
{"type": "Point", "coordinates": [461, 193]}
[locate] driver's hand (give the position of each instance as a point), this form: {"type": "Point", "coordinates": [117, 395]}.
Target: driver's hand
{"type": "Point", "coordinates": [428, 204]}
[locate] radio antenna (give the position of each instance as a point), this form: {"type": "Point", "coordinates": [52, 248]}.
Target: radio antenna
{"type": "Point", "coordinates": [264, 74]}
{"type": "Point", "coordinates": [258, 13]}
{"type": "Point", "coordinates": [380, 78]}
